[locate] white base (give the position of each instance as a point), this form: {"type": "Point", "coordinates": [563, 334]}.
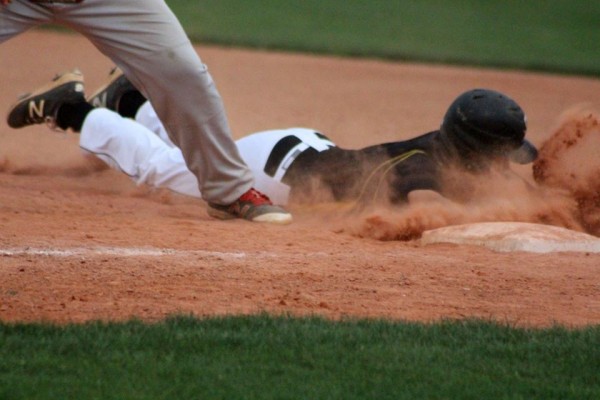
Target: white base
{"type": "Point", "coordinates": [514, 236]}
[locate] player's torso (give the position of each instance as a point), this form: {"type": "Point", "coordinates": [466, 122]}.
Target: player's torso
{"type": "Point", "coordinates": [395, 169]}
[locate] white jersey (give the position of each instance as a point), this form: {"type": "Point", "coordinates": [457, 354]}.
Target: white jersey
{"type": "Point", "coordinates": [270, 153]}
{"type": "Point", "coordinates": [142, 150]}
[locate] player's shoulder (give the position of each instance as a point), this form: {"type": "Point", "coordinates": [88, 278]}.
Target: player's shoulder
{"type": "Point", "coordinates": [304, 134]}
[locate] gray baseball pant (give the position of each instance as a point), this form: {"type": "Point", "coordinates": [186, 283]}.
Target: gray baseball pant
{"type": "Point", "coordinates": [145, 39]}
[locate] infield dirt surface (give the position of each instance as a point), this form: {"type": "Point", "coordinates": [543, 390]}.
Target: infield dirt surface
{"type": "Point", "coordinates": [79, 242]}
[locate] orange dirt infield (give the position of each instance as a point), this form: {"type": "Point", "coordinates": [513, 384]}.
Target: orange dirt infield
{"type": "Point", "coordinates": [79, 242]}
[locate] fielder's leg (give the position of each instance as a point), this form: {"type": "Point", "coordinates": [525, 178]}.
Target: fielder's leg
{"type": "Point", "coordinates": [145, 39]}
{"type": "Point", "coordinates": [19, 16]}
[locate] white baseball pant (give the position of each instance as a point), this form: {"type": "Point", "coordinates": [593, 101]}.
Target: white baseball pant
{"type": "Point", "coordinates": [142, 150]}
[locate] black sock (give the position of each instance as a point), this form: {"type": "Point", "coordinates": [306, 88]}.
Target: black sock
{"type": "Point", "coordinates": [130, 103]}
{"type": "Point", "coordinates": [72, 115]}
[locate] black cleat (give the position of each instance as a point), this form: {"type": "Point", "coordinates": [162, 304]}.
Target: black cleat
{"type": "Point", "coordinates": [109, 95]}
{"type": "Point", "coordinates": [42, 105]}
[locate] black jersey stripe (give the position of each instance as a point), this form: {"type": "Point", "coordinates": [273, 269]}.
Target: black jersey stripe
{"type": "Point", "coordinates": [283, 146]}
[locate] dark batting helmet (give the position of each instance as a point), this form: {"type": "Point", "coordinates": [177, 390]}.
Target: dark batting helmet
{"type": "Point", "coordinates": [488, 123]}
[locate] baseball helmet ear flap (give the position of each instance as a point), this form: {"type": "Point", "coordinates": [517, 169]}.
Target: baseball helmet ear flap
{"type": "Point", "coordinates": [487, 122]}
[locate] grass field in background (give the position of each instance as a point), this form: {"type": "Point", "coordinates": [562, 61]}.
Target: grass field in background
{"type": "Point", "coordinates": [548, 35]}
{"type": "Point", "coordinates": [266, 357]}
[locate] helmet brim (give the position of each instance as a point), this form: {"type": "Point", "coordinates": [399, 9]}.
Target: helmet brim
{"type": "Point", "coordinates": [525, 154]}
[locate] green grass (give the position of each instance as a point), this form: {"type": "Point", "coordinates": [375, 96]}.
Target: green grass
{"type": "Point", "coordinates": [549, 35]}
{"type": "Point", "coordinates": [264, 357]}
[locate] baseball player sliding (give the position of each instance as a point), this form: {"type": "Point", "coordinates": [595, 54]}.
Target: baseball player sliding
{"type": "Point", "coordinates": [145, 39]}
{"type": "Point", "coordinates": [481, 129]}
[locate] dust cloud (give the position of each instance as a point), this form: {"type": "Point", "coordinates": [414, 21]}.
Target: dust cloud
{"type": "Point", "coordinates": [570, 160]}
{"type": "Point", "coordinates": [565, 191]}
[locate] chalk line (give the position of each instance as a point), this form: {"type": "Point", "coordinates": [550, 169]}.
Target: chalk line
{"type": "Point", "coordinates": [115, 251]}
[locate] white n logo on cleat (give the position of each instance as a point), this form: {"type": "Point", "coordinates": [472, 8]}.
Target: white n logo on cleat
{"type": "Point", "coordinates": [36, 110]}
